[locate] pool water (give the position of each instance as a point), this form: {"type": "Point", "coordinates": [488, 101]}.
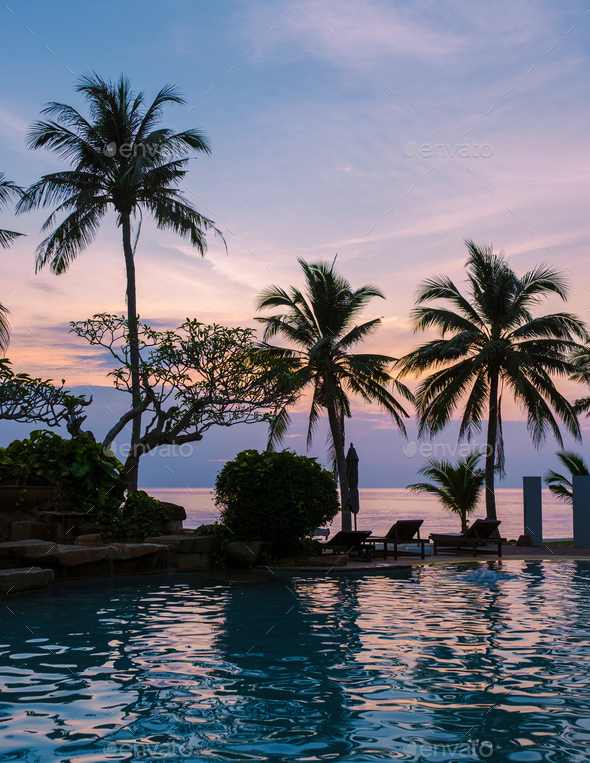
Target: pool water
{"type": "Point", "coordinates": [484, 661]}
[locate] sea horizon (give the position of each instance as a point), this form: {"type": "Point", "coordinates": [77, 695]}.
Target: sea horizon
{"type": "Point", "coordinates": [381, 507]}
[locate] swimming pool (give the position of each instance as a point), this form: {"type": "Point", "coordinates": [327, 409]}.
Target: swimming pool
{"type": "Point", "coordinates": [463, 662]}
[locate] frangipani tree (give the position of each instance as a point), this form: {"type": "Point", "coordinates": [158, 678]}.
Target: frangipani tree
{"type": "Point", "coordinates": [38, 401]}
{"type": "Point", "coordinates": [191, 379]}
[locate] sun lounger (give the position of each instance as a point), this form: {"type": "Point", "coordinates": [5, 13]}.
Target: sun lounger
{"type": "Point", "coordinates": [482, 532]}
{"type": "Point", "coordinates": [346, 542]}
{"type": "Point", "coordinates": [402, 531]}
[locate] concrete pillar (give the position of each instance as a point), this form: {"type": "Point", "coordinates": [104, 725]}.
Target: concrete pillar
{"type": "Point", "coordinates": [533, 509]}
{"type": "Point", "coordinates": [581, 491]}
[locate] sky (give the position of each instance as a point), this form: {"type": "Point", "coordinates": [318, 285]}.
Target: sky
{"type": "Point", "coordinates": [384, 133]}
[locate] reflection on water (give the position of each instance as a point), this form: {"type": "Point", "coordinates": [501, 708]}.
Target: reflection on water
{"type": "Point", "coordinates": [469, 662]}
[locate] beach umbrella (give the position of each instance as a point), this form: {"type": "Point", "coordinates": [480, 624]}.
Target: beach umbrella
{"type": "Point", "coordinates": [352, 475]}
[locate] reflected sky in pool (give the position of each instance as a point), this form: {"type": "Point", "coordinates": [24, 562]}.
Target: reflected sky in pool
{"type": "Point", "coordinates": [451, 662]}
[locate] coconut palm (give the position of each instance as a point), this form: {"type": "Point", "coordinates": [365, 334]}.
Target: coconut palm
{"type": "Point", "coordinates": [8, 191]}
{"type": "Point", "coordinates": [320, 323]}
{"type": "Point", "coordinates": [121, 159]}
{"type": "Point", "coordinates": [561, 486]}
{"type": "Point", "coordinates": [490, 341]}
{"type": "Point", "coordinates": [458, 488]}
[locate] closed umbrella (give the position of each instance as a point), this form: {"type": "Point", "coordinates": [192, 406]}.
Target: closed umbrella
{"type": "Point", "coordinates": [352, 475]}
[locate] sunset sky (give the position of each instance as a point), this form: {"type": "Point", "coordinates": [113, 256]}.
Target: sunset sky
{"type": "Point", "coordinates": [308, 109]}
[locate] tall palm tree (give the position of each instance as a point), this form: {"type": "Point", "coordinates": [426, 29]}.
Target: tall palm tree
{"type": "Point", "coordinates": [8, 191]}
{"type": "Point", "coordinates": [458, 488]}
{"type": "Point", "coordinates": [561, 486]}
{"type": "Point", "coordinates": [121, 159]}
{"type": "Point", "coordinates": [319, 322]}
{"type": "Point", "coordinates": [490, 340]}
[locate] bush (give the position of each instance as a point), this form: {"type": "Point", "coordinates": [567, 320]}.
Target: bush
{"type": "Point", "coordinates": [278, 498]}
{"type": "Point", "coordinates": [139, 516]}
{"type": "Point", "coordinates": [78, 465]}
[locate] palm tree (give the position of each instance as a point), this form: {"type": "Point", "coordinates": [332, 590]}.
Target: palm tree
{"type": "Point", "coordinates": [320, 324]}
{"type": "Point", "coordinates": [458, 488]}
{"type": "Point", "coordinates": [121, 159]}
{"type": "Point", "coordinates": [561, 486]}
{"type": "Point", "coordinates": [8, 191]}
{"type": "Point", "coordinates": [490, 339]}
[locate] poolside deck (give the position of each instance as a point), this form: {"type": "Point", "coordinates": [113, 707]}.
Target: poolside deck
{"type": "Point", "coordinates": [509, 553]}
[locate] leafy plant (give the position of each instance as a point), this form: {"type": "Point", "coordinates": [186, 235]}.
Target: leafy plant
{"type": "Point", "coordinates": [320, 324]}
{"type": "Point", "coordinates": [28, 400]}
{"type": "Point", "coordinates": [123, 160]}
{"type": "Point", "coordinates": [138, 516]}
{"type": "Point", "coordinates": [561, 486]}
{"type": "Point", "coordinates": [276, 497]}
{"type": "Point", "coordinates": [490, 341]}
{"type": "Point", "coordinates": [8, 190]}
{"type": "Point", "coordinates": [192, 378]}
{"type": "Point", "coordinates": [458, 488]}
{"type": "Point", "coordinates": [78, 466]}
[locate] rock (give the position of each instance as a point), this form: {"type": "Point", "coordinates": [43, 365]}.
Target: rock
{"type": "Point", "coordinates": [87, 528]}
{"type": "Point", "coordinates": [89, 540]}
{"type": "Point", "coordinates": [327, 560]}
{"type": "Point", "coordinates": [205, 529]}
{"type": "Point", "coordinates": [134, 550]}
{"type": "Point", "coordinates": [13, 581]}
{"type": "Point", "coordinates": [175, 511]}
{"type": "Point", "coordinates": [37, 531]}
{"type": "Point", "coordinates": [72, 556]}
{"type": "Point", "coordinates": [189, 562]}
{"type": "Point", "coordinates": [171, 526]}
{"type": "Point", "coordinates": [187, 544]}
{"type": "Point", "coordinates": [242, 554]}
{"type": "Point", "coordinates": [525, 541]}
{"type": "Point", "coordinates": [29, 549]}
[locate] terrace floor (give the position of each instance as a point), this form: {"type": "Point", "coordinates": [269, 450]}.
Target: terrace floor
{"type": "Point", "coordinates": [548, 553]}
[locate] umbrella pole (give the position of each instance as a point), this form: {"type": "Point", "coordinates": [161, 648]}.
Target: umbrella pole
{"type": "Point", "coordinates": [355, 522]}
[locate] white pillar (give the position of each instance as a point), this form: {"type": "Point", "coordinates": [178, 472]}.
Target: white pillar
{"type": "Point", "coordinates": [581, 490]}
{"type": "Point", "coordinates": [533, 509]}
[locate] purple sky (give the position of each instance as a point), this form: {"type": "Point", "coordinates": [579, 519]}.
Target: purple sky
{"type": "Point", "coordinates": [309, 109]}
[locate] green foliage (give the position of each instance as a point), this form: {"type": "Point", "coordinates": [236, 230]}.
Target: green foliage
{"type": "Point", "coordinates": [458, 488]}
{"type": "Point", "coordinates": [38, 401]}
{"type": "Point", "coordinates": [320, 323]}
{"type": "Point", "coordinates": [275, 497]}
{"type": "Point", "coordinates": [99, 179]}
{"type": "Point", "coordinates": [78, 465]}
{"type": "Point", "coordinates": [491, 341]}
{"type": "Point", "coordinates": [560, 485]}
{"type": "Point", "coordinates": [138, 516]}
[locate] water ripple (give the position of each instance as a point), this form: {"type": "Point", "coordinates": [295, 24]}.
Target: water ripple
{"type": "Point", "coordinates": [422, 664]}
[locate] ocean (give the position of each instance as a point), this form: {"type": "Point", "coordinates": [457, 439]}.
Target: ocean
{"type": "Point", "coordinates": [380, 508]}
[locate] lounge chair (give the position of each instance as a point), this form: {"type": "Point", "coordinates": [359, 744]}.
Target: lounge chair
{"type": "Point", "coordinates": [402, 531]}
{"type": "Point", "coordinates": [481, 533]}
{"type": "Point", "coordinates": [346, 541]}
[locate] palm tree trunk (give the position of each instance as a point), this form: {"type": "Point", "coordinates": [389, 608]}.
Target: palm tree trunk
{"type": "Point", "coordinates": [463, 522]}
{"type": "Point", "coordinates": [491, 449]}
{"type": "Point", "coordinates": [341, 462]}
{"type": "Point", "coordinates": [131, 477]}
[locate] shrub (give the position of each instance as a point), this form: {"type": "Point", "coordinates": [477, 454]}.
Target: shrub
{"type": "Point", "coordinates": [278, 498]}
{"type": "Point", "coordinates": [78, 465]}
{"type": "Point", "coordinates": [138, 516]}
